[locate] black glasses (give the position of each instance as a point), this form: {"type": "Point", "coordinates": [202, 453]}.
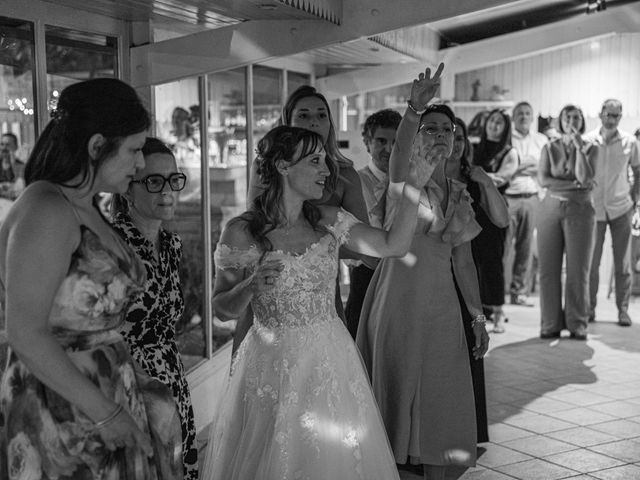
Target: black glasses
{"type": "Point", "coordinates": [155, 183]}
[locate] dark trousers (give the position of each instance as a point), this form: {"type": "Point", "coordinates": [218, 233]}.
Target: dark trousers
{"type": "Point", "coordinates": [522, 210]}
{"type": "Point", "coordinates": [360, 278]}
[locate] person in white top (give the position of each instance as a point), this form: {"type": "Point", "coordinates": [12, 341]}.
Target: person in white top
{"type": "Point", "coordinates": [614, 198]}
{"type": "Point", "coordinates": [522, 197]}
{"type": "Point", "coordinates": [379, 136]}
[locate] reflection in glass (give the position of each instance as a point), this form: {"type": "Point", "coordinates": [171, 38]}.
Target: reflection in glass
{"type": "Point", "coordinates": [295, 80]}
{"type": "Point", "coordinates": [73, 56]}
{"type": "Point", "coordinates": [267, 100]}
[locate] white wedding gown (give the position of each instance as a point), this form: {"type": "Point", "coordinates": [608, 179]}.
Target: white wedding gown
{"type": "Point", "coordinates": [298, 404]}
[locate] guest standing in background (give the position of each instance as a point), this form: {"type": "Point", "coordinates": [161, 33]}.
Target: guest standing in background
{"type": "Point", "coordinates": [485, 193]}
{"type": "Point", "coordinates": [614, 199]}
{"type": "Point", "coordinates": [499, 159]}
{"type": "Point", "coordinates": [565, 228]}
{"type": "Point", "coordinates": [379, 136]}
{"type": "Point", "coordinates": [149, 327]}
{"type": "Point", "coordinates": [522, 197]}
{"type": "Point", "coordinates": [11, 167]}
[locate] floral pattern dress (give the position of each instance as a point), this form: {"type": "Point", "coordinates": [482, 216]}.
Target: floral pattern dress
{"type": "Point", "coordinates": [298, 403]}
{"type": "Point", "coordinates": [45, 437]}
{"type": "Point", "coordinates": [149, 328]}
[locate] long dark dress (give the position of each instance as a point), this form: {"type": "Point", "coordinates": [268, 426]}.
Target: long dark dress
{"type": "Point", "coordinates": [149, 328]}
{"type": "Point", "coordinates": [45, 437]}
{"type": "Point", "coordinates": [488, 247]}
{"type": "Point", "coordinates": [477, 371]}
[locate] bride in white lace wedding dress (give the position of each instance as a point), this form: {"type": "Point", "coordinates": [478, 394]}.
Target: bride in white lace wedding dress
{"type": "Point", "coordinates": [298, 404]}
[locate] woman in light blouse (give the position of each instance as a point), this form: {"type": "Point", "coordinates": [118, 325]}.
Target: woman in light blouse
{"type": "Point", "coordinates": [565, 227]}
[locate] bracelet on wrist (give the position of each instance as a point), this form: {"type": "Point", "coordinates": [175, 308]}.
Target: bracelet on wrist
{"type": "Point", "coordinates": [414, 109]}
{"type": "Point", "coordinates": [102, 423]}
{"type": "Point", "coordinates": [479, 320]}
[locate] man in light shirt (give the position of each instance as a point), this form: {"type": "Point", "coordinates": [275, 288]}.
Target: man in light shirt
{"type": "Point", "coordinates": [614, 200]}
{"type": "Point", "coordinates": [522, 197]}
{"type": "Point", "coordinates": [378, 134]}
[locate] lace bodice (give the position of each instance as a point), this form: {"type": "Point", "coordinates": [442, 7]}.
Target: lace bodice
{"type": "Point", "coordinates": [304, 292]}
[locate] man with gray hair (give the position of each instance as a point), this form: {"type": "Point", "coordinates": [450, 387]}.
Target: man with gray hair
{"type": "Point", "coordinates": [522, 197]}
{"type": "Point", "coordinates": [614, 200]}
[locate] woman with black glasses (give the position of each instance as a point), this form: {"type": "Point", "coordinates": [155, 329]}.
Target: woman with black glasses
{"type": "Point", "coordinates": [149, 328]}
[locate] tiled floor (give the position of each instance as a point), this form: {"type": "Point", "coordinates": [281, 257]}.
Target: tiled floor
{"type": "Point", "coordinates": [563, 408]}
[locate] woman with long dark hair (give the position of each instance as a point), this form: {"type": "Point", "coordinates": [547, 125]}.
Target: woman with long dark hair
{"type": "Point", "coordinates": [298, 404]}
{"type": "Point", "coordinates": [73, 404]}
{"type": "Point", "coordinates": [499, 159]}
{"type": "Point", "coordinates": [493, 203]}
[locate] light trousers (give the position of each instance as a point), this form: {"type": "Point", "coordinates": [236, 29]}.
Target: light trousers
{"type": "Point", "coordinates": [565, 229]}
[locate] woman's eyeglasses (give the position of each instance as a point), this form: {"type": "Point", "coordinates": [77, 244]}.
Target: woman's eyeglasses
{"type": "Point", "coordinates": [155, 183]}
{"type": "Point", "coordinates": [431, 130]}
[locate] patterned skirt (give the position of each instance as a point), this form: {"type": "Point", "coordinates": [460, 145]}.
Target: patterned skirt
{"type": "Point", "coordinates": [45, 437]}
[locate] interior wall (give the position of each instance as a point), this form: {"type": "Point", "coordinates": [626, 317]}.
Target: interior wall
{"type": "Point", "coordinates": [584, 74]}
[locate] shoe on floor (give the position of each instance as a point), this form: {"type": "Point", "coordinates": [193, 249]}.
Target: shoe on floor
{"type": "Point", "coordinates": [592, 318]}
{"type": "Point", "coordinates": [520, 300]}
{"type": "Point", "coordinates": [545, 336]}
{"type": "Point", "coordinates": [624, 320]}
{"type": "Point", "coordinates": [578, 336]}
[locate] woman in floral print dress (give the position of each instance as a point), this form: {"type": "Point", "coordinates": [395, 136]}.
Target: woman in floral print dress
{"type": "Point", "coordinates": [149, 328]}
{"type": "Point", "coordinates": [72, 405]}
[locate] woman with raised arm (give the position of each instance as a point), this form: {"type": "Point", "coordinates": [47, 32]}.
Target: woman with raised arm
{"type": "Point", "coordinates": [565, 228]}
{"type": "Point", "coordinates": [410, 335]}
{"type": "Point", "coordinates": [72, 402]}
{"type": "Point", "coordinates": [298, 404]}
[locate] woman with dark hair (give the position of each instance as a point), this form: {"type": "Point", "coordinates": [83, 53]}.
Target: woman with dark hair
{"type": "Point", "coordinates": [499, 160]}
{"type": "Point", "coordinates": [410, 335]}
{"type": "Point", "coordinates": [565, 228]}
{"type": "Point", "coordinates": [298, 404]}
{"type": "Point", "coordinates": [72, 403]}
{"type": "Point", "coordinates": [149, 326]}
{"type": "Point", "coordinates": [459, 168]}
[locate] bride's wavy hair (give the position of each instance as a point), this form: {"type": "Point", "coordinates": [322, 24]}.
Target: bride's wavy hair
{"type": "Point", "coordinates": [265, 212]}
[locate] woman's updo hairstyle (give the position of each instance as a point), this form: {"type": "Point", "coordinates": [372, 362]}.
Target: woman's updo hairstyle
{"type": "Point", "coordinates": [280, 144]}
{"type": "Point", "coordinates": [105, 106]}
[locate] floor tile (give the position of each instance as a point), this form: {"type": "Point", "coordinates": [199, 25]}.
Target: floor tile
{"type": "Point", "coordinates": [619, 428]}
{"type": "Point", "coordinates": [582, 416]}
{"type": "Point", "coordinates": [502, 432]}
{"type": "Point", "coordinates": [583, 460]}
{"type": "Point", "coordinates": [624, 472]}
{"type": "Point", "coordinates": [582, 436]}
{"type": "Point", "coordinates": [618, 408]}
{"type": "Point", "coordinates": [539, 446]}
{"type": "Point", "coordinates": [536, 470]}
{"type": "Point", "coordinates": [497, 455]}
{"type": "Point", "coordinates": [625, 450]}
{"type": "Point", "coordinates": [539, 423]}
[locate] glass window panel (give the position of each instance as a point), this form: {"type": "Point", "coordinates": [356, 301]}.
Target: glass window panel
{"type": "Point", "coordinates": [17, 113]}
{"type": "Point", "coordinates": [267, 100]}
{"type": "Point", "coordinates": [177, 116]}
{"type": "Point", "coordinates": [227, 163]}
{"type": "Point", "coordinates": [295, 80]}
{"type": "Point", "coordinates": [73, 56]}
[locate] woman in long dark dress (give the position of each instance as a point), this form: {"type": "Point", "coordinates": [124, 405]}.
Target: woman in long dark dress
{"type": "Point", "coordinates": [458, 167]}
{"type": "Point", "coordinates": [499, 159]}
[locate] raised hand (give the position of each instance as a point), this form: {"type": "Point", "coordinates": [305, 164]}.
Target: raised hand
{"type": "Point", "coordinates": [424, 88]}
{"type": "Point", "coordinates": [576, 138]}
